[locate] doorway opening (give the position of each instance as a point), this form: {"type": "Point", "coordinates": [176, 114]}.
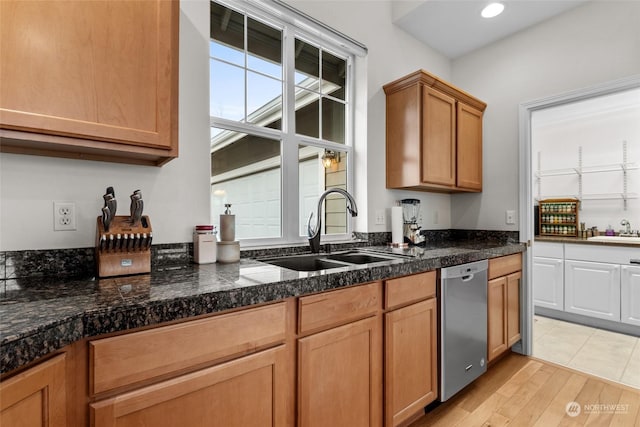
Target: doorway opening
{"type": "Point", "coordinates": [582, 146]}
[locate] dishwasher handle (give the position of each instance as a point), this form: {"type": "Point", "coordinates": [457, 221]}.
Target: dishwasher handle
{"type": "Point", "coordinates": [634, 261]}
{"type": "Point", "coordinates": [468, 277]}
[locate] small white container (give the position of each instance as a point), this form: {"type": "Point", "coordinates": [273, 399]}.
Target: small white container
{"type": "Point", "coordinates": [229, 252]}
{"type": "Point", "coordinates": [204, 244]}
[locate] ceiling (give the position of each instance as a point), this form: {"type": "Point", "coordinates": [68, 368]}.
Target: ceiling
{"type": "Point", "coordinates": [455, 27]}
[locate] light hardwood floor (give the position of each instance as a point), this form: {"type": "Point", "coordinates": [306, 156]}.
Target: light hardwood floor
{"type": "Point", "coordinates": [524, 391]}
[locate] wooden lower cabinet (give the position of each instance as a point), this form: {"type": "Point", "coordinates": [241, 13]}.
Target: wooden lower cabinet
{"type": "Point", "coordinates": [411, 351]}
{"type": "Point", "coordinates": [340, 376]}
{"type": "Point", "coordinates": [503, 314]}
{"type": "Point", "coordinates": [249, 391]}
{"type": "Point", "coordinates": [35, 397]}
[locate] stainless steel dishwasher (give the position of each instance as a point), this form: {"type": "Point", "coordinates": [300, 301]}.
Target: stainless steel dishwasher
{"type": "Point", "coordinates": [463, 325]}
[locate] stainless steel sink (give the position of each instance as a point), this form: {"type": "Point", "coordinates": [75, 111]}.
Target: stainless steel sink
{"type": "Point", "coordinates": [357, 257]}
{"type": "Point", "coordinates": [319, 262]}
{"type": "Point", "coordinates": [315, 262]}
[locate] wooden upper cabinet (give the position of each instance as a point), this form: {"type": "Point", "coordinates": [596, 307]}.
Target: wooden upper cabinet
{"type": "Point", "coordinates": [94, 80]}
{"type": "Point", "coordinates": [438, 138]}
{"type": "Point", "coordinates": [434, 135]}
{"type": "Point", "coordinates": [469, 160]}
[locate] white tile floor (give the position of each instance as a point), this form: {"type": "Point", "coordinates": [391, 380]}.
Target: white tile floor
{"type": "Point", "coordinates": [602, 353]}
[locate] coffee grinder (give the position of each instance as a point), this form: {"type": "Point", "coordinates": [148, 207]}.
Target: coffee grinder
{"type": "Point", "coordinates": [410, 215]}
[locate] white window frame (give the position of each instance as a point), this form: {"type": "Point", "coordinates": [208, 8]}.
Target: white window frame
{"type": "Point", "coordinates": [296, 25]}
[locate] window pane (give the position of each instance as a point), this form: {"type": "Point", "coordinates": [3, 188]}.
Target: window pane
{"type": "Point", "coordinates": [307, 113]}
{"type": "Point", "coordinates": [333, 120]}
{"type": "Point", "coordinates": [220, 51]}
{"type": "Point", "coordinates": [227, 91]}
{"type": "Point", "coordinates": [227, 29]}
{"type": "Point", "coordinates": [333, 75]}
{"type": "Point", "coordinates": [307, 62]}
{"type": "Point", "coordinates": [264, 100]}
{"type": "Point", "coordinates": [246, 172]}
{"type": "Point", "coordinates": [265, 48]}
{"type": "Point", "coordinates": [314, 179]}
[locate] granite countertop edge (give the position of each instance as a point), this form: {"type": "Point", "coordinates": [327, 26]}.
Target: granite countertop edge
{"type": "Point", "coordinates": [94, 311]}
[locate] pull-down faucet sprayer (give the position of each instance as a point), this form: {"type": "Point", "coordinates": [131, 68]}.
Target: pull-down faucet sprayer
{"type": "Point", "coordinates": [314, 233]}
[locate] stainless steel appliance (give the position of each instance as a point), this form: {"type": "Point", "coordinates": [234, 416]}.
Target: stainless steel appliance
{"type": "Point", "coordinates": [463, 325]}
{"type": "Point", "coordinates": [410, 215]}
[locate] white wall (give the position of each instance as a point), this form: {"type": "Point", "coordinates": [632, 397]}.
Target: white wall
{"type": "Point", "coordinates": [594, 43]}
{"type": "Point", "coordinates": [598, 126]}
{"type": "Point", "coordinates": [176, 196]}
{"type": "Point", "coordinates": [588, 45]}
{"type": "Point", "coordinates": [392, 54]}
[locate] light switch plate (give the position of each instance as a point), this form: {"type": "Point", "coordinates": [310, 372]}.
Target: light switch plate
{"type": "Point", "coordinates": [511, 217]}
{"type": "Point", "coordinates": [380, 219]}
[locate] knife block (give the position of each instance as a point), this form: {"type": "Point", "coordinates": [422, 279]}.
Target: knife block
{"type": "Point", "coordinates": [123, 256]}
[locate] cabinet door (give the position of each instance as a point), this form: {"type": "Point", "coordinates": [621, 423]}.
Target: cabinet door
{"type": "Point", "coordinates": [469, 137]}
{"type": "Point", "coordinates": [97, 71]}
{"type": "Point", "coordinates": [250, 391]}
{"type": "Point", "coordinates": [340, 376]}
{"type": "Point", "coordinates": [592, 289]}
{"type": "Point", "coordinates": [630, 295]}
{"type": "Point", "coordinates": [36, 397]}
{"type": "Point", "coordinates": [548, 282]}
{"type": "Point", "coordinates": [411, 351]}
{"type": "Point", "coordinates": [496, 317]}
{"type": "Point", "coordinates": [438, 153]}
{"type": "Point", "coordinates": [513, 308]}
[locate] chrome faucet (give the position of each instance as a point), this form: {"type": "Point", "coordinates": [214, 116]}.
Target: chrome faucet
{"type": "Point", "coordinates": [627, 230]}
{"type": "Point", "coordinates": [314, 233]}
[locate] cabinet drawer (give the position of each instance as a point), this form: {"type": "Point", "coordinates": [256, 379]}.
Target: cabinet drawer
{"type": "Point", "coordinates": [139, 356]}
{"type": "Point", "coordinates": [407, 289]}
{"type": "Point", "coordinates": [336, 307]}
{"type": "Point", "coordinates": [504, 265]}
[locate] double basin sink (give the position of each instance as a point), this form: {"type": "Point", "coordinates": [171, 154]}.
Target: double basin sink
{"type": "Point", "coordinates": [319, 262]}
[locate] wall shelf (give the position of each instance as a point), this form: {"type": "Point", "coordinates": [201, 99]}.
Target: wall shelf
{"type": "Point", "coordinates": [622, 167]}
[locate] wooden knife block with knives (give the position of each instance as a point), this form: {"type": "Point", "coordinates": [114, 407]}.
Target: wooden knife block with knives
{"type": "Point", "coordinates": [123, 243]}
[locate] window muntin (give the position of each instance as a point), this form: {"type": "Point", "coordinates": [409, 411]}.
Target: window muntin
{"type": "Point", "coordinates": [250, 87]}
{"type": "Point", "coordinates": [245, 68]}
{"type": "Point", "coordinates": [324, 91]}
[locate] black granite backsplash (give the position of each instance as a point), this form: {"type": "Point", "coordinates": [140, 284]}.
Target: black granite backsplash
{"type": "Point", "coordinates": [81, 262]}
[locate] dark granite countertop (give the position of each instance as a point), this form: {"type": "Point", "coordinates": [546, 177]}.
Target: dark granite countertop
{"type": "Point", "coordinates": [41, 315]}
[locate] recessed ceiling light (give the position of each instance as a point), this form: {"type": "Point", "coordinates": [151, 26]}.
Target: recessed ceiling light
{"type": "Point", "coordinates": [492, 9]}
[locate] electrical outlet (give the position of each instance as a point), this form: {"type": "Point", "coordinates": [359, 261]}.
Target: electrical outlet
{"type": "Point", "coordinates": [64, 216]}
{"type": "Point", "coordinates": [511, 217]}
{"type": "Point", "coordinates": [435, 218]}
{"type": "Point", "coordinates": [380, 219]}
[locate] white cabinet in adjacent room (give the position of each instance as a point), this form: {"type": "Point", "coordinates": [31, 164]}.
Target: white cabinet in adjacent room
{"type": "Point", "coordinates": [630, 295]}
{"type": "Point", "coordinates": [548, 282]}
{"type": "Point", "coordinates": [548, 275]}
{"type": "Point", "coordinates": [592, 289]}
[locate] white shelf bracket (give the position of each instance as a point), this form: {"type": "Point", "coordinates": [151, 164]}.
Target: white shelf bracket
{"type": "Point", "coordinates": [579, 171]}
{"type": "Point", "coordinates": [624, 173]}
